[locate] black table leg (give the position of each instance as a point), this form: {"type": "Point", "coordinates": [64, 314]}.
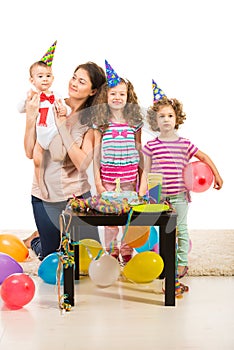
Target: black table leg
{"type": "Point", "coordinates": [77, 261]}
{"type": "Point", "coordinates": [68, 284]}
{"type": "Point", "coordinates": [167, 252]}
{"type": "Point", "coordinates": [75, 236]}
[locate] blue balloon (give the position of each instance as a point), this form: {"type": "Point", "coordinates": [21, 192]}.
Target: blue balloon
{"type": "Point", "coordinates": [48, 269]}
{"type": "Point", "coordinates": [8, 266]}
{"type": "Point", "coordinates": [152, 240]}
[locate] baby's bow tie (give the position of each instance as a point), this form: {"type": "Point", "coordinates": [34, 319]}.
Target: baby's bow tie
{"type": "Point", "coordinates": [50, 98]}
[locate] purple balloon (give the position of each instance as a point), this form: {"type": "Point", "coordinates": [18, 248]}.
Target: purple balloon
{"type": "Point", "coordinates": [8, 266]}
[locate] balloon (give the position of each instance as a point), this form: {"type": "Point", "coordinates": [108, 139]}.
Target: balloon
{"type": "Point", "coordinates": [156, 248]}
{"type": "Point", "coordinates": [13, 246]}
{"type": "Point", "coordinates": [144, 267]}
{"type": "Point", "coordinates": [198, 176]}
{"type": "Point", "coordinates": [17, 290]}
{"type": "Point", "coordinates": [8, 266]}
{"type": "Point", "coordinates": [136, 236]}
{"type": "Point", "coordinates": [88, 246]}
{"type": "Point", "coordinates": [104, 271]}
{"type": "Point", "coordinates": [152, 240]}
{"type": "Point", "coordinates": [48, 269]}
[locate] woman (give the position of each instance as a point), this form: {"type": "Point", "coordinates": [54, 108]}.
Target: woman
{"type": "Point", "coordinates": [63, 179]}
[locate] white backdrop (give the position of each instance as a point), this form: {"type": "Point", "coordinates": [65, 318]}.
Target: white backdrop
{"type": "Point", "coordinates": [186, 46]}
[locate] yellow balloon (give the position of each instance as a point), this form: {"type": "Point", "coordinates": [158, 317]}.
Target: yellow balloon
{"type": "Point", "coordinates": [13, 246]}
{"type": "Point", "coordinates": [87, 247]}
{"type": "Point", "coordinates": [144, 267]}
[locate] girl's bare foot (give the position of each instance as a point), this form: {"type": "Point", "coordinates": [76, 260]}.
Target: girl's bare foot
{"type": "Point", "coordinates": [28, 240]}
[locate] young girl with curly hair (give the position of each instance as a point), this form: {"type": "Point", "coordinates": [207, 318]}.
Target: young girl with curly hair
{"type": "Point", "coordinates": [168, 154]}
{"type": "Point", "coordinates": [118, 122]}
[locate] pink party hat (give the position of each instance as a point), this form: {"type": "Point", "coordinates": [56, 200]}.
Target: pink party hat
{"type": "Point", "coordinates": [158, 93]}
{"type": "Point", "coordinates": [112, 77]}
{"type": "Point", "coordinates": [49, 55]}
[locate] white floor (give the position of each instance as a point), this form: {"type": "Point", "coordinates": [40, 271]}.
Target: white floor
{"type": "Point", "coordinates": [124, 316]}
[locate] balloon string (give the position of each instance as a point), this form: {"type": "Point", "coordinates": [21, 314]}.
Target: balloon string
{"type": "Point", "coordinates": [62, 299]}
{"type": "Point", "coordinates": [66, 259]}
{"type": "Point", "coordinates": [127, 224]}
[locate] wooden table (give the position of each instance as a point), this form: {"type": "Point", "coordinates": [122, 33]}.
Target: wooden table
{"type": "Point", "coordinates": [166, 221]}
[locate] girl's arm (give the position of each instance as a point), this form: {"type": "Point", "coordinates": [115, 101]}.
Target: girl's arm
{"type": "Point", "coordinates": [97, 162]}
{"type": "Point", "coordinates": [143, 184]}
{"type": "Point", "coordinates": [32, 110]}
{"type": "Point", "coordinates": [218, 181]}
{"type": "Point", "coordinates": [138, 147]}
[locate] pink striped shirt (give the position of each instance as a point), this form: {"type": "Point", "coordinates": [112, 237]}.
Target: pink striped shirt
{"type": "Point", "coordinates": [169, 159]}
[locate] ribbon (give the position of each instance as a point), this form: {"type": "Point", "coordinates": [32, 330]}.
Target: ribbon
{"type": "Point", "coordinates": [50, 98]}
{"type": "Point", "coordinates": [116, 133]}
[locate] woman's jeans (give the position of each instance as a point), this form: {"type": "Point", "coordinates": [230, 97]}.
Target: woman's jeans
{"type": "Point", "coordinates": [46, 215]}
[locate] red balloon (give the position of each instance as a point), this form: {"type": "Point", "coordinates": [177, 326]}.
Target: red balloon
{"type": "Point", "coordinates": [17, 290]}
{"type": "Point", "coordinates": [198, 176]}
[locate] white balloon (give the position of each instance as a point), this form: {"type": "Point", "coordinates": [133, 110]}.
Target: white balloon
{"type": "Point", "coordinates": [104, 271]}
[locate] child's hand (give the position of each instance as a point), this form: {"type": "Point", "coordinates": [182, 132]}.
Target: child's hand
{"type": "Point", "coordinates": [218, 182]}
{"type": "Point", "coordinates": [100, 188]}
{"type": "Point", "coordinates": [61, 109]}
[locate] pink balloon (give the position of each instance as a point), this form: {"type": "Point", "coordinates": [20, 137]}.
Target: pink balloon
{"type": "Point", "coordinates": [198, 176]}
{"type": "Point", "coordinates": [17, 290]}
{"type": "Point", "coordinates": [156, 248]}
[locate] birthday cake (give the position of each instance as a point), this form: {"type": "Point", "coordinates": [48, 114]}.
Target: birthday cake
{"type": "Point", "coordinates": [130, 196]}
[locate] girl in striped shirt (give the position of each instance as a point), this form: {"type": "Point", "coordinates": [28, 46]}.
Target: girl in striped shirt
{"type": "Point", "coordinates": [168, 154]}
{"type": "Point", "coordinates": [118, 121]}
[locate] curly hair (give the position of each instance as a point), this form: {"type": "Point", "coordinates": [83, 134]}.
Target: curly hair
{"type": "Point", "coordinates": [102, 112]}
{"type": "Point", "coordinates": [153, 110]}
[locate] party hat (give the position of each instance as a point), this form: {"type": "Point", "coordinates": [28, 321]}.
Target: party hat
{"type": "Point", "coordinates": [158, 93]}
{"type": "Point", "coordinates": [49, 55]}
{"type": "Point", "coordinates": [112, 77]}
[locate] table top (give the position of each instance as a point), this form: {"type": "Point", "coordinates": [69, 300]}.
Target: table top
{"type": "Point", "coordinates": [94, 218]}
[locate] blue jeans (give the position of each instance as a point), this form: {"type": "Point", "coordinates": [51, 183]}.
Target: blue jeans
{"type": "Point", "coordinates": [46, 216]}
{"type": "Point", "coordinates": [180, 203]}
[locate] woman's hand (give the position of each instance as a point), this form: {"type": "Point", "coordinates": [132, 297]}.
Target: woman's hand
{"type": "Point", "coordinates": [32, 105]}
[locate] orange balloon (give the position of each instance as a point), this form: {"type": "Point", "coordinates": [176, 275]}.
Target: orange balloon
{"type": "Point", "coordinates": [136, 236]}
{"type": "Point", "coordinates": [13, 246]}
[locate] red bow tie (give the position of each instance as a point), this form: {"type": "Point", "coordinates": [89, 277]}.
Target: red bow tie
{"type": "Point", "coordinates": [123, 133]}
{"type": "Point", "coordinates": [50, 98]}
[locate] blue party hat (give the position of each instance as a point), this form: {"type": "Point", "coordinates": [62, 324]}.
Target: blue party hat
{"type": "Point", "coordinates": [112, 77]}
{"type": "Point", "coordinates": [158, 93]}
